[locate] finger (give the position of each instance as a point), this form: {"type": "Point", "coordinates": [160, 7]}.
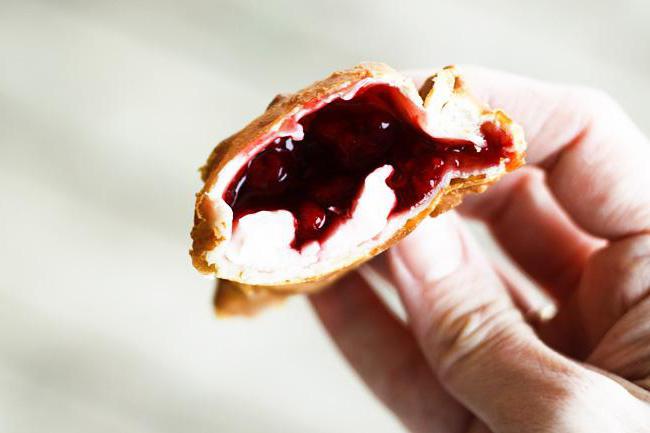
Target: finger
{"type": "Point", "coordinates": [614, 304]}
{"type": "Point", "coordinates": [386, 356]}
{"type": "Point", "coordinates": [535, 306]}
{"type": "Point", "coordinates": [615, 281]}
{"type": "Point", "coordinates": [625, 348]}
{"type": "Point", "coordinates": [533, 303]}
{"type": "Point", "coordinates": [552, 325]}
{"type": "Point", "coordinates": [475, 339]}
{"type": "Point", "coordinates": [534, 230]}
{"type": "Point", "coordinates": [595, 158]}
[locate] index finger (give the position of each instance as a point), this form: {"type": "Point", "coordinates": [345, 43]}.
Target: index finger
{"type": "Point", "coordinates": [597, 162]}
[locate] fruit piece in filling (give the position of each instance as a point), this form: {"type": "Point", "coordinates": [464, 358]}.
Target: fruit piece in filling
{"type": "Point", "coordinates": [319, 178]}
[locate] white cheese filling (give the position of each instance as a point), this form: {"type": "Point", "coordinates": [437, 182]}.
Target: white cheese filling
{"type": "Point", "coordinates": [262, 240]}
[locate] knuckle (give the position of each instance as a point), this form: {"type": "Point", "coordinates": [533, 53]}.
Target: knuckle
{"type": "Point", "coordinates": [627, 262]}
{"type": "Point", "coordinates": [461, 337]}
{"type": "Point", "coordinates": [597, 102]}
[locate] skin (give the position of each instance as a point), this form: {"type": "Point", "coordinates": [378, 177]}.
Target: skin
{"type": "Point", "coordinates": [478, 352]}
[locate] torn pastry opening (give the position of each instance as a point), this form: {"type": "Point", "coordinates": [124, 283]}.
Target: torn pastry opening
{"type": "Point", "coordinates": [346, 178]}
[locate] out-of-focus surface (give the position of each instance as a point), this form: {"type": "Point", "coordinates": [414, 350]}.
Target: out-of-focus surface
{"type": "Point", "coordinates": [106, 111]}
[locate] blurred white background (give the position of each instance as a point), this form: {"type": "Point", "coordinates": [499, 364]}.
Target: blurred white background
{"type": "Point", "coordinates": [106, 111]}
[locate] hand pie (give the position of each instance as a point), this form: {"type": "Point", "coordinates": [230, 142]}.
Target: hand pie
{"type": "Point", "coordinates": [338, 172]}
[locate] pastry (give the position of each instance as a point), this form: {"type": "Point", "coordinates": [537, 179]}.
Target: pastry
{"type": "Point", "coordinates": [331, 176]}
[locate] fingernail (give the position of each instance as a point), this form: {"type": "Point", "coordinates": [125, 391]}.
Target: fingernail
{"type": "Point", "coordinates": [434, 250]}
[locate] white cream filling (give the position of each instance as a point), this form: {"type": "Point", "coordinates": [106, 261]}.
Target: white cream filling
{"type": "Point", "coordinates": [369, 216]}
{"type": "Point", "coordinates": [262, 240]}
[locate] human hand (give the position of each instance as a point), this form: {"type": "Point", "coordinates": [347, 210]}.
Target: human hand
{"type": "Point", "coordinates": [477, 355]}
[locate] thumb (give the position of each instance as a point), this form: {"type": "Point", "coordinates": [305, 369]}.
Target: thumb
{"type": "Point", "coordinates": [473, 336]}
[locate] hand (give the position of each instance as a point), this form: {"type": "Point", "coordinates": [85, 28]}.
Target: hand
{"type": "Point", "coordinates": [476, 354]}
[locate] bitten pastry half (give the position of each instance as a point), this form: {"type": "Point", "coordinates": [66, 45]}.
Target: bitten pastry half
{"type": "Point", "coordinates": [331, 176]}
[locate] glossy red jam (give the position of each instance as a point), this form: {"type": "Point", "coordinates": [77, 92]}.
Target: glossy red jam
{"type": "Point", "coordinates": [318, 178]}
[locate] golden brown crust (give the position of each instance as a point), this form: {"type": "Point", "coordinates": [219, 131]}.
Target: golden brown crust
{"type": "Point", "coordinates": [239, 298]}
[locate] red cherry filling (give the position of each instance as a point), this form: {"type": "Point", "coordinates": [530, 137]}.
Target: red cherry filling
{"type": "Point", "coordinates": [319, 178]}
{"type": "Point", "coordinates": [270, 171]}
{"type": "Point", "coordinates": [334, 191]}
{"type": "Point", "coordinates": [311, 219]}
{"type": "Point", "coordinates": [359, 138]}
